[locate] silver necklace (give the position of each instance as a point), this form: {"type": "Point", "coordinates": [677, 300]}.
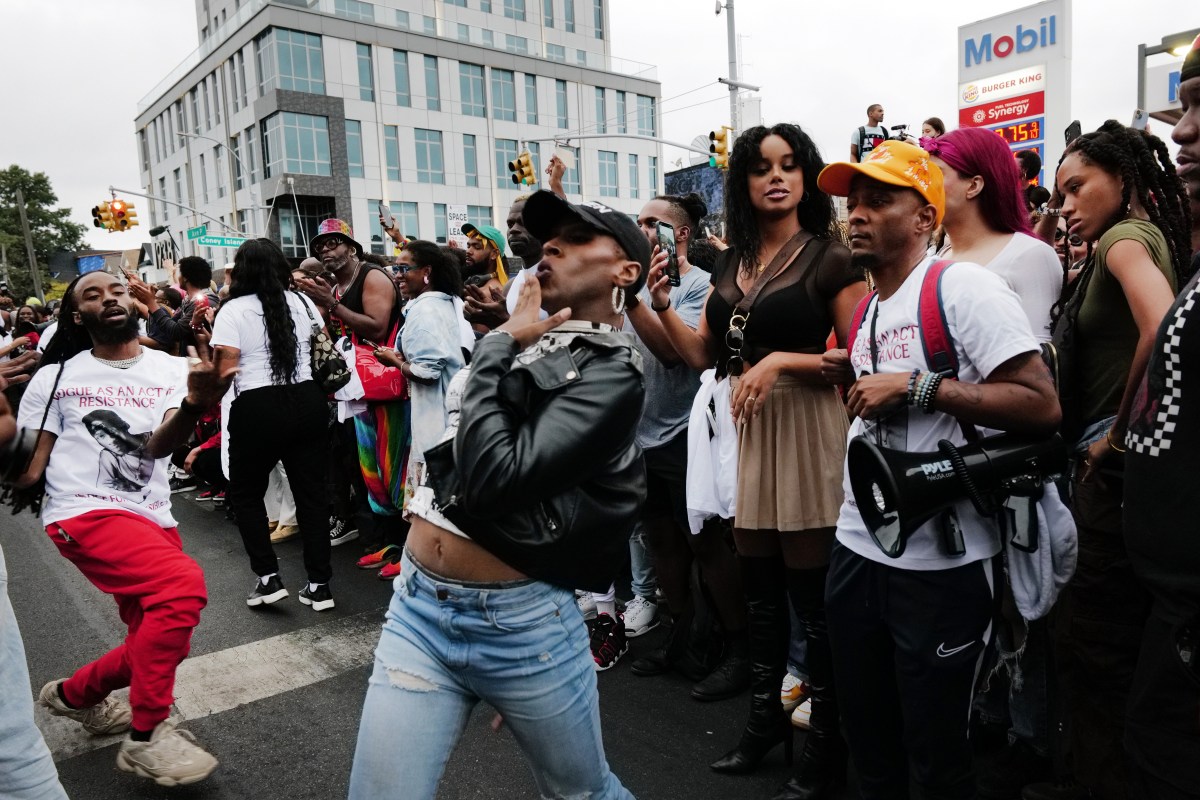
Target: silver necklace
{"type": "Point", "coordinates": [124, 363]}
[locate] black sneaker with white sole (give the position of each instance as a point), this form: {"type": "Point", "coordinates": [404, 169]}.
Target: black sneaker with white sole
{"type": "Point", "coordinates": [183, 483]}
{"type": "Point", "coordinates": [320, 598]}
{"type": "Point", "coordinates": [266, 593]}
{"type": "Point", "coordinates": [341, 531]}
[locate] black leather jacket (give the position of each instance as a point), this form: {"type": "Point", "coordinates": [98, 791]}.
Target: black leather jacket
{"type": "Point", "coordinates": [544, 472]}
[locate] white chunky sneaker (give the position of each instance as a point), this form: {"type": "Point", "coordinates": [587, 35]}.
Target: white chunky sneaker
{"type": "Point", "coordinates": [640, 616]}
{"type": "Point", "coordinates": [172, 757]}
{"type": "Point", "coordinates": [110, 715]}
{"type": "Point", "coordinates": [586, 603]}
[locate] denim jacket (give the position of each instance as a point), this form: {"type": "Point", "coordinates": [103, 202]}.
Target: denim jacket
{"type": "Point", "coordinates": [430, 343]}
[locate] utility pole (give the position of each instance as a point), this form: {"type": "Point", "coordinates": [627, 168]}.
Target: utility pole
{"type": "Point", "coordinates": [731, 28]}
{"type": "Point", "coordinates": [4, 263]}
{"type": "Point", "coordinates": [33, 270]}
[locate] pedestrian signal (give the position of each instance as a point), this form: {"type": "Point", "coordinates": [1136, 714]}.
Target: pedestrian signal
{"type": "Point", "coordinates": [522, 170]}
{"type": "Point", "coordinates": [718, 145]}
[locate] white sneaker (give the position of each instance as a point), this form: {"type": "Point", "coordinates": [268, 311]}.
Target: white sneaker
{"type": "Point", "coordinates": [110, 715]}
{"type": "Point", "coordinates": [586, 603]}
{"type": "Point", "coordinates": [640, 616]}
{"type": "Point", "coordinates": [792, 693]}
{"type": "Point", "coordinates": [172, 757]}
{"type": "Point", "coordinates": [802, 713]}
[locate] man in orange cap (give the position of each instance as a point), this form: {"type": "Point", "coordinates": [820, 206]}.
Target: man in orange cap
{"type": "Point", "coordinates": [905, 676]}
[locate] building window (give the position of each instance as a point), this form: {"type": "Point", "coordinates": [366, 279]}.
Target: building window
{"type": "Point", "coordinates": [178, 186]}
{"type": "Point", "coordinates": [235, 150]}
{"type": "Point", "coordinates": [219, 172]}
{"type": "Point", "coordinates": [433, 91]}
{"type": "Point", "coordinates": [239, 68]}
{"type": "Point", "coordinates": [548, 13]}
{"type": "Point", "coordinates": [653, 175]}
{"type": "Point", "coordinates": [295, 231]}
{"type": "Point", "coordinates": [353, 9]}
{"type": "Point", "coordinates": [297, 143]}
{"type": "Point", "coordinates": [430, 164]}
{"type": "Point", "coordinates": [471, 159]}
{"type": "Point", "coordinates": [194, 105]}
{"type": "Point", "coordinates": [633, 176]}
{"type": "Point", "coordinates": [354, 148]}
{"type": "Point", "coordinates": [366, 74]}
{"type": "Point", "coordinates": [488, 38]}
{"type": "Point", "coordinates": [144, 149]}
{"type": "Point", "coordinates": [571, 176]}
{"type": "Point", "coordinates": [470, 79]}
{"type": "Point", "coordinates": [645, 116]}
{"type": "Point", "coordinates": [531, 103]}
{"type": "Point", "coordinates": [608, 174]}
{"type": "Point", "coordinates": [504, 96]}
{"type": "Point", "coordinates": [251, 165]}
{"type": "Point", "coordinates": [162, 197]}
{"type": "Point", "coordinates": [556, 52]}
{"type": "Point", "coordinates": [601, 111]}
{"type": "Point", "coordinates": [581, 58]}
{"type": "Point", "coordinates": [459, 3]}
{"type": "Point", "coordinates": [290, 60]}
{"type": "Point", "coordinates": [535, 156]}
{"type": "Point", "coordinates": [506, 151]}
{"type": "Point", "coordinates": [569, 15]}
{"type": "Point", "coordinates": [391, 148]}
{"type": "Point", "coordinates": [243, 221]}
{"type": "Point", "coordinates": [402, 21]}
{"type": "Point", "coordinates": [622, 114]}
{"type": "Point", "coordinates": [516, 44]}
{"type": "Point", "coordinates": [515, 9]}
{"type": "Point", "coordinates": [560, 102]}
{"type": "Point", "coordinates": [430, 26]}
{"type": "Point", "coordinates": [479, 215]}
{"type": "Point", "coordinates": [180, 121]}
{"type": "Point", "coordinates": [440, 225]}
{"type": "Point", "coordinates": [464, 32]}
{"type": "Point", "coordinates": [400, 62]}
{"type": "Point", "coordinates": [598, 15]}
{"type": "Point", "coordinates": [203, 169]}
{"type": "Point", "coordinates": [485, 6]}
{"type": "Point", "coordinates": [216, 90]}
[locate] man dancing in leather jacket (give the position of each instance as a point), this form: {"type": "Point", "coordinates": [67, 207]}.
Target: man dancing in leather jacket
{"type": "Point", "coordinates": [535, 495]}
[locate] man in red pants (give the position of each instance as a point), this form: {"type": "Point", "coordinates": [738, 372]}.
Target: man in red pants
{"type": "Point", "coordinates": [109, 412]}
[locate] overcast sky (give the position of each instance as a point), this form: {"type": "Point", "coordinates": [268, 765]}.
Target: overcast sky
{"type": "Point", "coordinates": [75, 70]}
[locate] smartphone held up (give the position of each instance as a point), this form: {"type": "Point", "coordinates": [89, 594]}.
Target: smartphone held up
{"type": "Point", "coordinates": [666, 242]}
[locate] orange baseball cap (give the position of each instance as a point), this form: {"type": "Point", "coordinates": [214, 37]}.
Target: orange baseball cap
{"type": "Point", "coordinates": [895, 163]}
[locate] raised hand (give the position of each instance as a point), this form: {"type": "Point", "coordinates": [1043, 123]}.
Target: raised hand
{"type": "Point", "coordinates": [524, 325]}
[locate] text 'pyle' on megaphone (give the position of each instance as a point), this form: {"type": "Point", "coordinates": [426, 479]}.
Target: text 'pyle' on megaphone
{"type": "Point", "coordinates": [897, 491]}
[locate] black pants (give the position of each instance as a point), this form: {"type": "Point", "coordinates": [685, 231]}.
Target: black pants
{"type": "Point", "coordinates": [207, 467]}
{"type": "Point", "coordinates": [907, 647]}
{"type": "Point", "coordinates": [266, 426]}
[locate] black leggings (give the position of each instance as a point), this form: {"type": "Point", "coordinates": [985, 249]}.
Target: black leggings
{"type": "Point", "coordinates": [268, 425]}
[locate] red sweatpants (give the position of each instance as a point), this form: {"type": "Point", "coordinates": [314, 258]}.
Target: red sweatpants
{"type": "Point", "coordinates": [159, 592]}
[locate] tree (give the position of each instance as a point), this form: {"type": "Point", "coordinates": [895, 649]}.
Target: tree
{"type": "Point", "coordinates": [51, 228]}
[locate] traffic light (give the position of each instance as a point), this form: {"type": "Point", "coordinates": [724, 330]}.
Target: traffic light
{"type": "Point", "coordinates": [718, 145]}
{"type": "Point", "coordinates": [102, 217]}
{"type": "Point", "coordinates": [124, 217]}
{"type": "Point", "coordinates": [522, 170]}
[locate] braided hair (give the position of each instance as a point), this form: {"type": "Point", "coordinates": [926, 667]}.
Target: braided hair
{"type": "Point", "coordinates": [263, 271]}
{"type": "Point", "coordinates": [1142, 162]}
{"type": "Point", "coordinates": [815, 213]}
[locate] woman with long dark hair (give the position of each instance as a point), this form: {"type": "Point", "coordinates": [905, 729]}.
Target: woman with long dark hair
{"type": "Point", "coordinates": [792, 426]}
{"type": "Point", "coordinates": [1118, 190]}
{"type": "Point", "coordinates": [279, 414]}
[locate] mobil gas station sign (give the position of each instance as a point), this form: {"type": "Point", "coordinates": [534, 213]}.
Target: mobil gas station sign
{"type": "Point", "coordinates": [1014, 75]}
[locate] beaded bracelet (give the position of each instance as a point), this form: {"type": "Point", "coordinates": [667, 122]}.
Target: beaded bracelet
{"type": "Point", "coordinates": [931, 391]}
{"type": "Point", "coordinates": [909, 396]}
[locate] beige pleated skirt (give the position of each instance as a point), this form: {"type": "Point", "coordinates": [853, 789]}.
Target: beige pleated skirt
{"type": "Point", "coordinates": [790, 459]}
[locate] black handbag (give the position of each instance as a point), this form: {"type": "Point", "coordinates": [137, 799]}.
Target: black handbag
{"type": "Point", "coordinates": [329, 369]}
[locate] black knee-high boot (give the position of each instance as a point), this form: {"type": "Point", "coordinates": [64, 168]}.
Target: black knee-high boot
{"type": "Point", "coordinates": [766, 592]}
{"type": "Point", "coordinates": [822, 768]}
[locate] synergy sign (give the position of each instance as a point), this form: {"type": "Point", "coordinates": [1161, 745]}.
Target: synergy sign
{"type": "Point", "coordinates": [1014, 76]}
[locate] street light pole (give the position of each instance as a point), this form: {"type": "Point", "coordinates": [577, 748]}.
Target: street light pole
{"type": "Point", "coordinates": [232, 176]}
{"type": "Point", "coordinates": [731, 29]}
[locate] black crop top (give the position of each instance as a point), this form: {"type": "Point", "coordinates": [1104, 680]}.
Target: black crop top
{"type": "Point", "coordinates": [791, 314]}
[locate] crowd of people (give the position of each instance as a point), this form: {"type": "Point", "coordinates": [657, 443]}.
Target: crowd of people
{"type": "Point", "coordinates": [511, 425]}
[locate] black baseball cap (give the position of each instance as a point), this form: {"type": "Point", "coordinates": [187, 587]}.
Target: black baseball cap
{"type": "Point", "coordinates": [546, 212]}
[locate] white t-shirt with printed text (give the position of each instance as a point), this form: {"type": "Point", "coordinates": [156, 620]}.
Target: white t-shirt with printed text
{"type": "Point", "coordinates": [988, 327]}
{"type": "Point", "coordinates": [103, 417]}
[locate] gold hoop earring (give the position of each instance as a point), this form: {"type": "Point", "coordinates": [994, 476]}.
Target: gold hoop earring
{"type": "Point", "coordinates": [618, 300]}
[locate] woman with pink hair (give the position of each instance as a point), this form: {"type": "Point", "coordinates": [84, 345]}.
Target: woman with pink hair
{"type": "Point", "coordinates": [986, 220]}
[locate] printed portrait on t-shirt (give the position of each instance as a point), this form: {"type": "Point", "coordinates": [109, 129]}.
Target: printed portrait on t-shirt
{"type": "Point", "coordinates": [124, 464]}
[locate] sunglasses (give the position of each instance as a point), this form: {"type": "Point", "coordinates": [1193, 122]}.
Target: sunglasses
{"type": "Point", "coordinates": [1074, 239]}
{"type": "Point", "coordinates": [332, 241]}
{"type": "Point", "coordinates": [404, 269]}
{"type": "Point", "coordinates": [735, 337]}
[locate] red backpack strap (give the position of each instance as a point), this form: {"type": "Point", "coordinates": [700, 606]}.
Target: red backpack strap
{"type": "Point", "coordinates": [935, 331]}
{"type": "Point", "coordinates": [860, 313]}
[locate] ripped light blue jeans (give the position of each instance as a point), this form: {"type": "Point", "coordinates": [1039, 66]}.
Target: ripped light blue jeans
{"type": "Point", "coordinates": [522, 647]}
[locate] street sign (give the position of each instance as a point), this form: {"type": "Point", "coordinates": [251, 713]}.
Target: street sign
{"type": "Point", "coordinates": [221, 241]}
{"type": "Point", "coordinates": [197, 232]}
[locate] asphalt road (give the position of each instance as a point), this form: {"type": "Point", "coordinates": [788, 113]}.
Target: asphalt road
{"type": "Point", "coordinates": [276, 695]}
